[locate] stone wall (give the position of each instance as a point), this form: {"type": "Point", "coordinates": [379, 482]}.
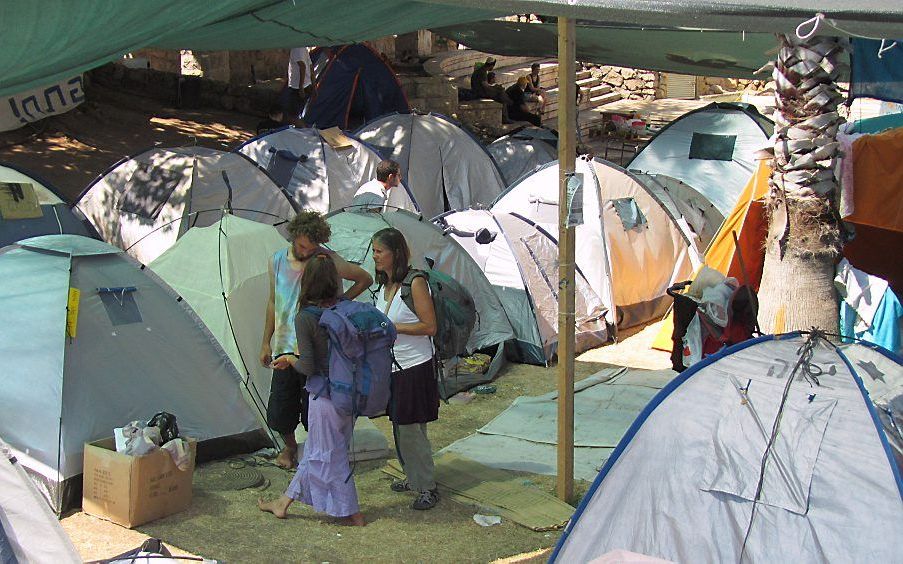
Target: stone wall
{"type": "Point", "coordinates": [632, 84]}
{"type": "Point", "coordinates": [707, 85]}
{"type": "Point", "coordinates": [430, 94]}
{"type": "Point", "coordinates": [234, 67]}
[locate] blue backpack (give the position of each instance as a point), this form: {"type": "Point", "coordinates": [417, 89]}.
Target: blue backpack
{"type": "Point", "coordinates": [360, 358]}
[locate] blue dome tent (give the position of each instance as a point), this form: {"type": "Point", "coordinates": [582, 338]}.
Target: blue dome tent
{"type": "Point", "coordinates": [355, 86]}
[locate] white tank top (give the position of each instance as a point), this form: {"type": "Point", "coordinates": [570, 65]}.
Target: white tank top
{"type": "Point", "coordinates": [409, 350]}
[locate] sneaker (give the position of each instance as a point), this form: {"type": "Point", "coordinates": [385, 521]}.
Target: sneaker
{"type": "Point", "coordinates": [426, 500]}
{"type": "Point", "coordinates": [400, 486]}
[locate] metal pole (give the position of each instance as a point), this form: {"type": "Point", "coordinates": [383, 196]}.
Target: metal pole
{"type": "Point", "coordinates": [567, 150]}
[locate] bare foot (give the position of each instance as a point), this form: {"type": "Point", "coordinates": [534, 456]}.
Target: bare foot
{"type": "Point", "coordinates": [278, 507]}
{"type": "Point", "coordinates": [356, 520]}
{"type": "Point", "coordinates": [287, 458]}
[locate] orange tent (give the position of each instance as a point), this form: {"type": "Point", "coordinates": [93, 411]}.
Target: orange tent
{"type": "Point", "coordinates": [748, 221]}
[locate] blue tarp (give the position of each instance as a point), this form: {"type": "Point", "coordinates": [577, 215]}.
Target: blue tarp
{"type": "Point", "coordinates": [877, 69]}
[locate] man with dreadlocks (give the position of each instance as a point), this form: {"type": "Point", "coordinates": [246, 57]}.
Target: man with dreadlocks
{"type": "Point", "coordinates": [288, 400]}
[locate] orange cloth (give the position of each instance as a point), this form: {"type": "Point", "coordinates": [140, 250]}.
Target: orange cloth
{"type": "Point", "coordinates": [878, 180]}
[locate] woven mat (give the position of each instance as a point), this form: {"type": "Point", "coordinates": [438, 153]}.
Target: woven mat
{"type": "Point", "coordinates": [504, 493]}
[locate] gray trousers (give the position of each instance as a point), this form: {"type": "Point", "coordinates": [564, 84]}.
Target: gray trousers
{"type": "Point", "coordinates": [416, 455]}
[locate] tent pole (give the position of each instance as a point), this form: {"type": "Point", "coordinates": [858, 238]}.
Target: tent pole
{"type": "Point", "coordinates": [567, 150]}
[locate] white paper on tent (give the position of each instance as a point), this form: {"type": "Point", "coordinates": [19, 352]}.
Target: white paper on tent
{"type": "Point", "coordinates": [575, 199]}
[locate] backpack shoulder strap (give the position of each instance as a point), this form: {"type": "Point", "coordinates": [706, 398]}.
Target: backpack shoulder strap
{"type": "Point", "coordinates": [406, 285]}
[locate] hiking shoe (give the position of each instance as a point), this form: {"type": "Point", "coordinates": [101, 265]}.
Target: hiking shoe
{"type": "Point", "coordinates": [426, 500]}
{"type": "Point", "coordinates": [400, 486]}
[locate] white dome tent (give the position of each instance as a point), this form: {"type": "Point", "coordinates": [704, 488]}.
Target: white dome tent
{"type": "Point", "coordinates": [144, 203]}
{"type": "Point", "coordinates": [444, 165]}
{"type": "Point", "coordinates": [629, 247]}
{"type": "Point", "coordinates": [321, 170]}
{"type": "Point", "coordinates": [351, 234]}
{"type": "Point", "coordinates": [769, 451]}
{"type": "Point", "coordinates": [128, 347]}
{"type": "Point", "coordinates": [520, 260]}
{"type": "Point", "coordinates": [711, 148]}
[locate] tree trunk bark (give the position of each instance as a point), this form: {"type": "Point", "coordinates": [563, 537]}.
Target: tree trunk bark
{"type": "Point", "coordinates": [797, 289]}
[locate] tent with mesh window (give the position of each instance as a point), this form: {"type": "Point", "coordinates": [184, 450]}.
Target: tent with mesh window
{"type": "Point", "coordinates": [711, 148]}
{"type": "Point", "coordinates": [142, 204]}
{"type": "Point", "coordinates": [630, 245]}
{"type": "Point", "coordinates": [107, 343]}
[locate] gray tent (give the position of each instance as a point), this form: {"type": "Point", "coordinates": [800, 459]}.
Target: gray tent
{"type": "Point", "coordinates": [30, 207]}
{"type": "Point", "coordinates": [769, 451]}
{"type": "Point", "coordinates": [519, 154]}
{"type": "Point", "coordinates": [144, 203]}
{"type": "Point", "coordinates": [520, 260]}
{"type": "Point", "coordinates": [127, 348]}
{"type": "Point", "coordinates": [444, 165]}
{"type": "Point", "coordinates": [29, 531]}
{"type": "Point", "coordinates": [321, 170]}
{"type": "Point", "coordinates": [351, 233]}
{"type": "Point", "coordinates": [682, 200]}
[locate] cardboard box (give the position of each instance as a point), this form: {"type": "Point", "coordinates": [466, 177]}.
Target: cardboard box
{"type": "Point", "coordinates": [132, 490]}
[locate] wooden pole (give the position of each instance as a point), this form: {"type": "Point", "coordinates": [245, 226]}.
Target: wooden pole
{"type": "Point", "coordinates": [567, 150]}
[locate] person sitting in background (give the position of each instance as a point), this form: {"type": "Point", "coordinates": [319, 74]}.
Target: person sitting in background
{"type": "Point", "coordinates": [518, 110]}
{"type": "Point", "coordinates": [479, 78]}
{"type": "Point", "coordinates": [534, 90]}
{"type": "Point", "coordinates": [323, 479]}
{"type": "Point", "coordinates": [273, 121]}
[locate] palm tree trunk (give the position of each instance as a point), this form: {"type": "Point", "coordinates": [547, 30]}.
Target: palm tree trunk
{"type": "Point", "coordinates": [797, 290]}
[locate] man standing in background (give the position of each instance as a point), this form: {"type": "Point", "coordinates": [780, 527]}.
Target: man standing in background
{"type": "Point", "coordinates": [299, 79]}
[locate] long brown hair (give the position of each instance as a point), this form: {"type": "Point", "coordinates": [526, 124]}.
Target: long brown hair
{"type": "Point", "coordinates": [319, 283]}
{"type": "Point", "coordinates": [394, 241]}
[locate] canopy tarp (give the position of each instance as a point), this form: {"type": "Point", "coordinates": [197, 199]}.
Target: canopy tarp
{"type": "Point", "coordinates": [709, 53]}
{"type": "Point", "coordinates": [47, 40]}
{"type": "Point", "coordinates": [873, 18]}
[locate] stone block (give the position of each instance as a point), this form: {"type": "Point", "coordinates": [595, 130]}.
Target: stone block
{"type": "Point", "coordinates": [613, 78]}
{"type": "Point", "coordinates": [634, 84]}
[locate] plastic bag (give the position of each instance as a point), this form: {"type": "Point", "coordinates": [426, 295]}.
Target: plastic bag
{"type": "Point", "coordinates": [178, 450]}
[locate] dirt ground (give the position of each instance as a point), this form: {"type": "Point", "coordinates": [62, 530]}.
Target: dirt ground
{"type": "Point", "coordinates": [70, 151]}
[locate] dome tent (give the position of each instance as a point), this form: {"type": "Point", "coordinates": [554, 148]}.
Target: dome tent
{"type": "Point", "coordinates": [354, 86]}
{"type": "Point", "coordinates": [629, 247]}
{"type": "Point", "coordinates": [320, 170]}
{"type": "Point", "coordinates": [711, 148]}
{"type": "Point", "coordinates": [520, 260]}
{"type": "Point", "coordinates": [351, 234]}
{"type": "Point", "coordinates": [785, 462]}
{"type": "Point", "coordinates": [523, 151]}
{"type": "Point", "coordinates": [144, 203]}
{"type": "Point", "coordinates": [44, 211]}
{"type": "Point", "coordinates": [444, 165]}
{"type": "Point", "coordinates": [221, 271]}
{"type": "Point", "coordinates": [128, 348]}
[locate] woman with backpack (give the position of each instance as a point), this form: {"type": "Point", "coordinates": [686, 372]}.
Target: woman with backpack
{"type": "Point", "coordinates": [323, 479]}
{"type": "Point", "coordinates": [415, 387]}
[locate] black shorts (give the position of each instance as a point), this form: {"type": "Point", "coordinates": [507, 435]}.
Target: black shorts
{"type": "Point", "coordinates": [288, 401]}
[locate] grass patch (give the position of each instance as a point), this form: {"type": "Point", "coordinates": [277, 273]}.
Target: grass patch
{"type": "Point", "coordinates": [227, 525]}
